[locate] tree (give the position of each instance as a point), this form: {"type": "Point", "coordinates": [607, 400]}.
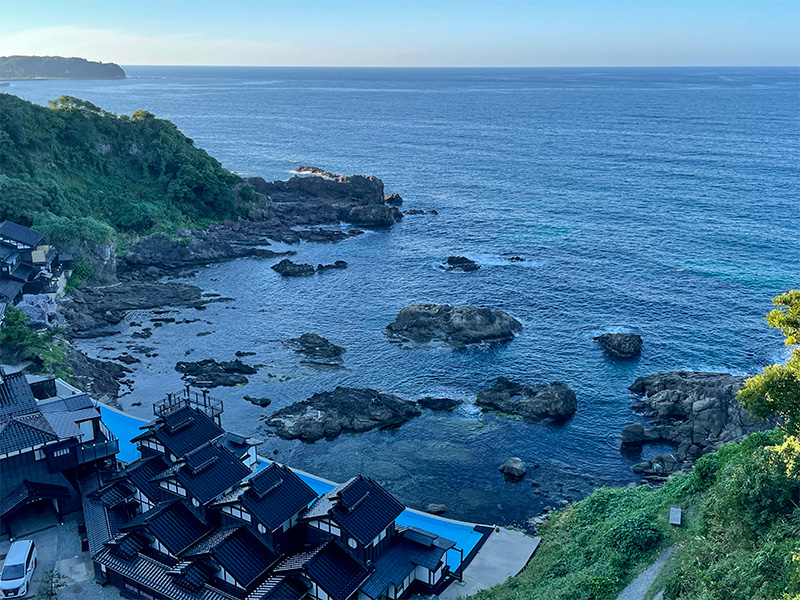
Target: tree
{"type": "Point", "coordinates": [73, 103]}
{"type": "Point", "coordinates": [49, 584]}
{"type": "Point", "coordinates": [777, 389]}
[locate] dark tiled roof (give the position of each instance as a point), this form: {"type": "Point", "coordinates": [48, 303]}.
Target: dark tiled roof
{"type": "Point", "coordinates": [402, 557]}
{"type": "Point", "coordinates": [16, 397]}
{"type": "Point", "coordinates": [142, 473]}
{"type": "Point", "coordinates": [10, 288]}
{"type": "Point", "coordinates": [20, 234]}
{"type": "Point", "coordinates": [274, 495]}
{"type": "Point", "coordinates": [330, 567]}
{"type": "Point", "coordinates": [280, 588]}
{"type": "Point", "coordinates": [361, 507]}
{"type": "Point", "coordinates": [183, 430]}
{"type": "Point", "coordinates": [153, 574]}
{"type": "Point", "coordinates": [172, 523]}
{"type": "Point", "coordinates": [30, 491]}
{"type": "Point", "coordinates": [125, 545]}
{"type": "Point", "coordinates": [19, 433]}
{"type": "Point", "coordinates": [209, 471]}
{"type": "Point", "coordinates": [191, 575]}
{"type": "Point", "coordinates": [425, 538]}
{"type": "Point", "coordinates": [239, 551]}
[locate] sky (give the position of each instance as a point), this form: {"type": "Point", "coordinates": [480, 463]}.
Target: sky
{"type": "Point", "coordinates": [426, 33]}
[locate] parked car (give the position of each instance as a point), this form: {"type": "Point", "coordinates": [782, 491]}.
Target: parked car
{"type": "Point", "coordinates": [17, 573]}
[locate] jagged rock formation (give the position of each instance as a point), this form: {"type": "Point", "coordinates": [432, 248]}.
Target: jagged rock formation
{"type": "Point", "coordinates": [694, 411]}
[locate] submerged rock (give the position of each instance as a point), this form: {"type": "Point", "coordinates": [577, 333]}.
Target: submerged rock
{"type": "Point", "coordinates": [693, 411]}
{"type": "Point", "coordinates": [287, 268]}
{"type": "Point", "coordinates": [461, 263]}
{"type": "Point", "coordinates": [555, 402]}
{"type": "Point", "coordinates": [514, 468]}
{"type": "Point", "coordinates": [344, 410]}
{"type": "Point", "coordinates": [339, 264]}
{"type": "Point", "coordinates": [262, 402]}
{"type": "Point", "coordinates": [440, 404]}
{"type": "Point", "coordinates": [620, 345]}
{"type": "Point", "coordinates": [212, 373]}
{"type": "Point", "coordinates": [315, 346]}
{"type": "Point", "coordinates": [436, 509]}
{"type": "Point", "coordinates": [455, 325]}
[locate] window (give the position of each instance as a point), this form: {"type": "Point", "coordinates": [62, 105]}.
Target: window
{"type": "Point", "coordinates": [195, 502]}
{"type": "Point", "coordinates": [261, 528]}
{"type": "Point", "coordinates": [173, 487]}
{"type": "Point", "coordinates": [61, 452]}
{"type": "Point", "coordinates": [352, 543]}
{"type": "Point", "coordinates": [237, 512]}
{"type": "Point", "coordinates": [326, 526]}
{"type": "Point", "coordinates": [39, 455]}
{"type": "Point", "coordinates": [380, 537]}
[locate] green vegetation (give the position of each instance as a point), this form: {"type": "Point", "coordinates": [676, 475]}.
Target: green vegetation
{"type": "Point", "coordinates": [740, 538]}
{"type": "Point", "coordinates": [57, 67]}
{"type": "Point", "coordinates": [82, 272]}
{"type": "Point", "coordinates": [75, 171]}
{"type": "Point", "coordinates": [17, 340]}
{"type": "Point", "coordinates": [50, 583]}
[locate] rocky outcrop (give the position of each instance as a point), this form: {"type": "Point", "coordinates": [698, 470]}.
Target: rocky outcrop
{"type": "Point", "coordinates": [357, 199]}
{"type": "Point", "coordinates": [514, 468]}
{"type": "Point", "coordinates": [89, 311]}
{"type": "Point", "coordinates": [316, 347]}
{"type": "Point", "coordinates": [344, 410]}
{"type": "Point", "coordinates": [620, 345]}
{"type": "Point", "coordinates": [438, 404]}
{"type": "Point", "coordinates": [101, 378]}
{"type": "Point", "coordinates": [693, 411]}
{"type": "Point", "coordinates": [309, 170]}
{"type": "Point", "coordinates": [337, 265]}
{"type": "Point", "coordinates": [555, 402]}
{"type": "Point", "coordinates": [190, 248]}
{"type": "Point", "coordinates": [393, 199]}
{"type": "Point", "coordinates": [454, 325]}
{"type": "Point", "coordinates": [287, 268]}
{"type": "Point", "coordinates": [212, 373]}
{"type": "Point", "coordinates": [461, 263]}
{"type": "Point", "coordinates": [327, 236]}
{"type": "Point", "coordinates": [41, 310]}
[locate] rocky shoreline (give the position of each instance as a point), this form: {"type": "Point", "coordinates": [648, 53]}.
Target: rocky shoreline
{"type": "Point", "coordinates": [696, 412]}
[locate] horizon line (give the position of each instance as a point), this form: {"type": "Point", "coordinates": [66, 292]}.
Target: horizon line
{"type": "Point", "coordinates": [797, 66]}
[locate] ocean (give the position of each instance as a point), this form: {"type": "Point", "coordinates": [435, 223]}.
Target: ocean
{"type": "Point", "coordinates": [664, 202]}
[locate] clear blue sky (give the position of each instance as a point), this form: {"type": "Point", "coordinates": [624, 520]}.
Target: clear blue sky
{"type": "Point", "coordinates": [407, 32]}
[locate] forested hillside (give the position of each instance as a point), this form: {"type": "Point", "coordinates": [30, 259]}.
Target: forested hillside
{"type": "Point", "coordinates": [57, 67]}
{"type": "Point", "coordinates": [75, 171]}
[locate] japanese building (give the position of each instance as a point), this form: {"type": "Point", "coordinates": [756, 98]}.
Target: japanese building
{"type": "Point", "coordinates": [197, 517]}
{"type": "Point", "coordinates": [50, 433]}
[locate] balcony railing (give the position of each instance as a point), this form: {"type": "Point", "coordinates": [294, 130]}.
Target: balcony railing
{"type": "Point", "coordinates": [201, 400]}
{"type": "Point", "coordinates": [97, 451]}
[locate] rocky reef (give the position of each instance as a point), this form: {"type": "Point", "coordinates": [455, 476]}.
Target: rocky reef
{"type": "Point", "coordinates": [344, 410]}
{"type": "Point", "coordinates": [317, 348]}
{"type": "Point", "coordinates": [460, 263]}
{"type": "Point", "coordinates": [693, 411]}
{"type": "Point", "coordinates": [212, 373]}
{"type": "Point", "coordinates": [454, 325]}
{"type": "Point", "coordinates": [555, 402]}
{"type": "Point", "coordinates": [439, 404]}
{"type": "Point", "coordinates": [620, 345]}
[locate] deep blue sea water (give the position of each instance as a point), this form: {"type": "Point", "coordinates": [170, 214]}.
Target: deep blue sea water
{"type": "Point", "coordinates": [660, 201]}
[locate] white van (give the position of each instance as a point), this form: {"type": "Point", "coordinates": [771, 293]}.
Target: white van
{"type": "Point", "coordinates": [15, 579]}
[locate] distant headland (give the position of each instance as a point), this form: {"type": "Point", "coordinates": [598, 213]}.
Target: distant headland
{"type": "Point", "coordinates": [56, 67]}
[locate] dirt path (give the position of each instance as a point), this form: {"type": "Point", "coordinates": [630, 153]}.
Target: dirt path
{"type": "Point", "coordinates": [638, 587]}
